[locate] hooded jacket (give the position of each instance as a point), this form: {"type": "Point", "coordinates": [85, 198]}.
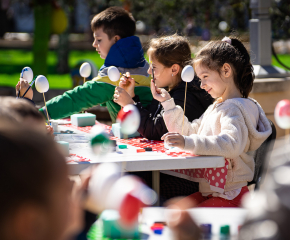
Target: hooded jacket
{"type": "Point", "coordinates": [152, 125]}
{"type": "Point", "coordinates": [234, 129]}
{"type": "Point", "coordinates": [127, 55]}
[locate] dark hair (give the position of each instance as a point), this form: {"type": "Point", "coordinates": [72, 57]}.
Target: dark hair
{"type": "Point", "coordinates": [169, 50]}
{"type": "Point", "coordinates": [20, 107]}
{"type": "Point", "coordinates": [216, 53]}
{"type": "Point", "coordinates": [115, 21]}
{"type": "Point", "coordinates": [30, 165]}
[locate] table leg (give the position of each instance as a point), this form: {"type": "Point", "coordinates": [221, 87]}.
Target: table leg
{"type": "Point", "coordinates": [156, 185]}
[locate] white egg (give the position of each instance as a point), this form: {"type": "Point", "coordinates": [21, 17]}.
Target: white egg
{"type": "Point", "coordinates": [27, 74]}
{"type": "Point", "coordinates": [129, 119]}
{"type": "Point", "coordinates": [85, 70]}
{"type": "Point", "coordinates": [187, 73]}
{"type": "Point", "coordinates": [113, 74]}
{"type": "Point", "coordinates": [41, 84]}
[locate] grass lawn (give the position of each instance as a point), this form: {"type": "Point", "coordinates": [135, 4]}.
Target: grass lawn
{"type": "Point", "coordinates": [12, 62]}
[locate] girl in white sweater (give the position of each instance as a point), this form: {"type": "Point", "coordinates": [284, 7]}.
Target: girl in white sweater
{"type": "Point", "coordinates": [234, 126]}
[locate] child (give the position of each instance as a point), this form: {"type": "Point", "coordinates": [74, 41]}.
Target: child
{"type": "Point", "coordinates": [114, 30]}
{"type": "Point", "coordinates": [36, 198]}
{"type": "Point", "coordinates": [234, 126]}
{"type": "Point", "coordinates": [24, 112]}
{"type": "Point", "coordinates": [169, 55]}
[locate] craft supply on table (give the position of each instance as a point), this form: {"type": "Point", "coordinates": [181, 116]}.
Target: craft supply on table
{"type": "Point", "coordinates": [83, 119]}
{"type": "Point", "coordinates": [112, 227]}
{"type": "Point", "coordinates": [64, 147]}
{"type": "Point", "coordinates": [116, 130]}
{"type": "Point", "coordinates": [100, 142]}
{"type": "Point", "coordinates": [129, 119]}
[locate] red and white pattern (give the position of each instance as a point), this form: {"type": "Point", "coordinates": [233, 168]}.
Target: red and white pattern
{"type": "Point", "coordinates": [216, 177]}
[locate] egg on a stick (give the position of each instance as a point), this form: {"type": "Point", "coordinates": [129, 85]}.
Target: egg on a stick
{"type": "Point", "coordinates": [42, 86]}
{"type": "Point", "coordinates": [85, 70]}
{"type": "Point", "coordinates": [113, 74]}
{"type": "Point", "coordinates": [187, 75]}
{"type": "Point", "coordinates": [27, 74]}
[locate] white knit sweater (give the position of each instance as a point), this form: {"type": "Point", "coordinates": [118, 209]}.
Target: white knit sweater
{"type": "Point", "coordinates": [234, 129]}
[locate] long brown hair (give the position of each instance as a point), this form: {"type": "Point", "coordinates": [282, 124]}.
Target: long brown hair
{"type": "Point", "coordinates": [216, 53]}
{"type": "Point", "coordinates": [169, 50]}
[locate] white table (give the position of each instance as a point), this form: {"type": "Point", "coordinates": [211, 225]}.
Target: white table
{"type": "Point", "coordinates": [131, 161]}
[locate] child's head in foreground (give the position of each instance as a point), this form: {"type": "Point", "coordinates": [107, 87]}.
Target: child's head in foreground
{"type": "Point", "coordinates": [34, 187]}
{"type": "Point", "coordinates": [168, 55]}
{"type": "Point", "coordinates": [26, 113]}
{"type": "Point", "coordinates": [224, 69]}
{"type": "Point", "coordinates": [109, 26]}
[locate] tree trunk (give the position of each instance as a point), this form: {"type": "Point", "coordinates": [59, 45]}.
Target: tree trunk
{"type": "Point", "coordinates": [42, 29]}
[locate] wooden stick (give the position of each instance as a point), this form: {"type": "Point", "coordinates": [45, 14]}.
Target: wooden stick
{"type": "Point", "coordinates": [83, 84]}
{"type": "Point", "coordinates": [287, 135]}
{"type": "Point", "coordinates": [46, 109]}
{"type": "Point", "coordinates": [184, 108]}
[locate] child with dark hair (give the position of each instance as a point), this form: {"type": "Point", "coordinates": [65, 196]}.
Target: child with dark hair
{"type": "Point", "coordinates": [234, 126]}
{"type": "Point", "coordinates": [35, 192]}
{"type": "Point", "coordinates": [114, 40]}
{"type": "Point", "coordinates": [169, 55]}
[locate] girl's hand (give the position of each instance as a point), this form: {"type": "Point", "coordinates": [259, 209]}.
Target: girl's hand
{"type": "Point", "coordinates": [128, 83]}
{"type": "Point", "coordinates": [160, 94]}
{"type": "Point", "coordinates": [122, 97]}
{"type": "Point", "coordinates": [174, 140]}
{"type": "Point", "coordinates": [21, 87]}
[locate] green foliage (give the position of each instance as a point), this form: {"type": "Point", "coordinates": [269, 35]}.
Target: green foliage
{"type": "Point", "coordinates": [169, 16]}
{"type": "Point", "coordinates": [280, 17]}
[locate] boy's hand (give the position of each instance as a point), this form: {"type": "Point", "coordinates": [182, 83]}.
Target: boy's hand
{"type": "Point", "coordinates": [174, 140]}
{"type": "Point", "coordinates": [128, 83]}
{"type": "Point", "coordinates": [122, 97]}
{"type": "Point", "coordinates": [22, 86]}
{"type": "Point", "coordinates": [160, 94]}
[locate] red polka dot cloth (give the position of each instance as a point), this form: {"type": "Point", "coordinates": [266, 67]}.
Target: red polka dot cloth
{"type": "Point", "coordinates": [216, 177]}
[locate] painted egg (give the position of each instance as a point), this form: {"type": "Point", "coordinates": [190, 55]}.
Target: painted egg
{"type": "Point", "coordinates": [85, 70]}
{"type": "Point", "coordinates": [129, 119]}
{"type": "Point", "coordinates": [27, 74]}
{"type": "Point", "coordinates": [187, 73]}
{"type": "Point", "coordinates": [113, 74]}
{"type": "Point", "coordinates": [102, 179]}
{"type": "Point", "coordinates": [282, 114]}
{"type": "Point", "coordinates": [100, 142]}
{"type": "Point", "coordinates": [41, 84]}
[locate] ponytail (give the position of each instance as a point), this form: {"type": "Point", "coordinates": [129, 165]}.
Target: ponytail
{"type": "Point", "coordinates": [232, 51]}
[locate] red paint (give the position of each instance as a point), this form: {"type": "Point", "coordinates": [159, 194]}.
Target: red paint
{"type": "Point", "coordinates": [122, 115]}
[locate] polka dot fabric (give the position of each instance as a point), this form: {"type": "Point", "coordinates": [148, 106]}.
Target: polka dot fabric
{"type": "Point", "coordinates": [216, 177]}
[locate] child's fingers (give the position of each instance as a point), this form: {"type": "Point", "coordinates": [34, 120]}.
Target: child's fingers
{"type": "Point", "coordinates": [128, 75]}
{"type": "Point", "coordinates": [165, 135]}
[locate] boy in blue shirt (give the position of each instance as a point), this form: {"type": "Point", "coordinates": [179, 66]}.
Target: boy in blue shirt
{"type": "Point", "coordinates": [114, 40]}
